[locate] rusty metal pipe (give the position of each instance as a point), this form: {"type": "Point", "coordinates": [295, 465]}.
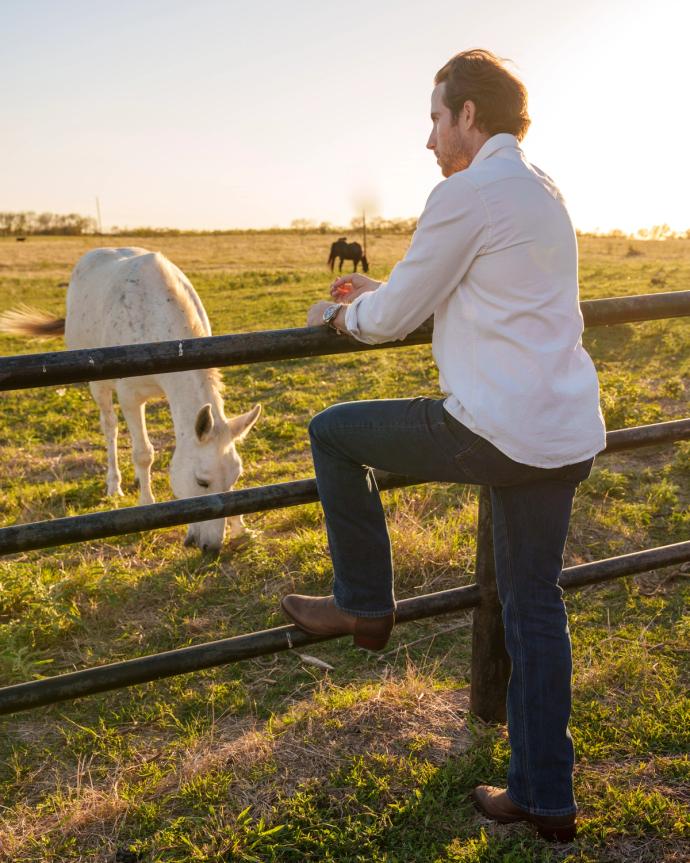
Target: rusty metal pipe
{"type": "Point", "coordinates": [134, 519]}
{"type": "Point", "coordinates": [77, 684]}
{"type": "Point", "coordinates": [94, 364]}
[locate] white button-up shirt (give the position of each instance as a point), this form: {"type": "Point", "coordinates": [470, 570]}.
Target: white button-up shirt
{"type": "Point", "coordinates": [494, 259]}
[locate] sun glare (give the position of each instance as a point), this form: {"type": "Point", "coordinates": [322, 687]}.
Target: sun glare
{"type": "Point", "coordinates": [610, 123]}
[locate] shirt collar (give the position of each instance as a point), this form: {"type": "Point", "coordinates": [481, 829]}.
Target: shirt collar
{"type": "Point", "coordinates": [495, 142]}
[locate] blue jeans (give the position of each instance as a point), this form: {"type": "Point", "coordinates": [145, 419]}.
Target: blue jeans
{"type": "Point", "coordinates": [531, 510]}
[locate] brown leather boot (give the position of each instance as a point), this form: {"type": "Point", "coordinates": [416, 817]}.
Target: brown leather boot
{"type": "Point", "coordinates": [495, 804]}
{"type": "Point", "coordinates": [318, 615]}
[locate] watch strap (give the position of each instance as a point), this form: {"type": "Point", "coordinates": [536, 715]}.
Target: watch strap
{"type": "Point", "coordinates": [330, 314]}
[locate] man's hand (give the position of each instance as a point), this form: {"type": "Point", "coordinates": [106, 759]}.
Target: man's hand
{"type": "Point", "coordinates": [348, 288]}
{"type": "Point", "coordinates": [315, 313]}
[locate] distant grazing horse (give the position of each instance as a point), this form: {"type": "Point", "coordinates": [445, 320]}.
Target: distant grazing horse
{"type": "Point", "coordinates": [347, 252]}
{"type": "Point", "coordinates": [129, 296]}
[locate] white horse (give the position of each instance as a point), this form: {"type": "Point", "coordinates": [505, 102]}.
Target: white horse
{"type": "Point", "coordinates": [130, 296]}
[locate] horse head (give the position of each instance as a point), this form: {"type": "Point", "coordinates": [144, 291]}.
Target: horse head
{"type": "Point", "coordinates": [365, 264]}
{"type": "Point", "coordinates": [206, 461]}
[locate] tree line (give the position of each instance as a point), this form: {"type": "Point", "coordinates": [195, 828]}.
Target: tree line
{"type": "Point", "coordinates": [374, 223]}
{"type": "Point", "coordinates": [28, 222]}
{"type": "Point", "coordinates": [73, 224]}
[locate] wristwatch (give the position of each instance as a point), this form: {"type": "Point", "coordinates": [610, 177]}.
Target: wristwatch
{"type": "Point", "coordinates": [330, 315]}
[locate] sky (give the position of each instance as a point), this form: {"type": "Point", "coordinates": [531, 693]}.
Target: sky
{"type": "Point", "coordinates": [212, 115]}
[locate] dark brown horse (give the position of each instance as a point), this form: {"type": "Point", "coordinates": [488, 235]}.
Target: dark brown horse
{"type": "Point", "coordinates": [347, 252]}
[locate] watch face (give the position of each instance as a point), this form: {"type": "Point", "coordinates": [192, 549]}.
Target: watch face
{"type": "Point", "coordinates": [330, 313]}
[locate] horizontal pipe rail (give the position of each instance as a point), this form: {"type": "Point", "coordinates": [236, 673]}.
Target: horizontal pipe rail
{"type": "Point", "coordinates": [134, 519]}
{"type": "Point", "coordinates": [68, 367]}
{"type": "Point", "coordinates": [25, 696]}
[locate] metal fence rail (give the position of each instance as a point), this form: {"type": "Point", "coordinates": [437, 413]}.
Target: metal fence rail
{"type": "Point", "coordinates": [68, 367]}
{"type": "Point", "coordinates": [77, 684]}
{"type": "Point", "coordinates": [134, 519]}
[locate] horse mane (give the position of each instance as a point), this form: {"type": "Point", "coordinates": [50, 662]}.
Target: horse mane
{"type": "Point", "coordinates": [217, 381]}
{"type": "Point", "coordinates": [194, 312]}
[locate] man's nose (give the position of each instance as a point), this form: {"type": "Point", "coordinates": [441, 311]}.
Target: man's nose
{"type": "Point", "coordinates": [431, 143]}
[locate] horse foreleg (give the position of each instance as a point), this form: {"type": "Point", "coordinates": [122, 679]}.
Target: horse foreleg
{"type": "Point", "coordinates": [102, 393]}
{"type": "Point", "coordinates": [237, 526]}
{"type": "Point", "coordinates": [355, 262]}
{"type": "Point", "coordinates": [133, 407]}
{"type": "Point", "coordinates": [340, 268]}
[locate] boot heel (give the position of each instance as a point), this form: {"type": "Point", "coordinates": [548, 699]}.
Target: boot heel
{"type": "Point", "coordinates": [558, 834]}
{"type": "Point", "coordinates": [370, 642]}
{"type": "Point", "coordinates": [372, 633]}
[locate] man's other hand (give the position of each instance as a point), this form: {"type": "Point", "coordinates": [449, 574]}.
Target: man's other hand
{"type": "Point", "coordinates": [315, 313]}
{"type": "Point", "coordinates": [315, 316]}
{"type": "Point", "coordinates": [348, 288]}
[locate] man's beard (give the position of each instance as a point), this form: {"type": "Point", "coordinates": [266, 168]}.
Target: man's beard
{"type": "Point", "coordinates": [459, 158]}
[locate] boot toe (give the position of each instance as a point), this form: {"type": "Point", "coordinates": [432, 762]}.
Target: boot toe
{"type": "Point", "coordinates": [319, 615]}
{"type": "Point", "coordinates": [495, 804]}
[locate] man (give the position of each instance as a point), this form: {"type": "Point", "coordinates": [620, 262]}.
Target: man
{"type": "Point", "coordinates": [494, 259]}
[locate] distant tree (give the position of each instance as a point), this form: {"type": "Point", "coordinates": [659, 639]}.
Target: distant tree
{"type": "Point", "coordinates": [661, 232]}
{"type": "Point", "coordinates": [303, 225]}
{"type": "Point", "coordinates": [45, 223]}
{"type": "Point", "coordinates": [389, 226]}
{"type": "Point", "coordinates": [656, 232]}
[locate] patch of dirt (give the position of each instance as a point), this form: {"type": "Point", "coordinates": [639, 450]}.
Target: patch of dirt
{"type": "Point", "coordinates": [398, 720]}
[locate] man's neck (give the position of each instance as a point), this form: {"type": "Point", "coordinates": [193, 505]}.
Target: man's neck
{"type": "Point", "coordinates": [476, 143]}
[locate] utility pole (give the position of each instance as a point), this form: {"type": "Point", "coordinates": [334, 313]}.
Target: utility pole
{"type": "Point", "coordinates": [364, 232]}
{"type": "Point", "coordinates": [98, 214]}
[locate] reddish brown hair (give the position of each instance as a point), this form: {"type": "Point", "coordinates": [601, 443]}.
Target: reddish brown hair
{"type": "Point", "coordinates": [499, 97]}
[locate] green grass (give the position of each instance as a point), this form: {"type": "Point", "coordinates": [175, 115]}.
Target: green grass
{"type": "Point", "coordinates": [276, 759]}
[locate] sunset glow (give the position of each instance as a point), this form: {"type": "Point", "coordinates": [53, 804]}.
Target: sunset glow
{"type": "Point", "coordinates": [219, 114]}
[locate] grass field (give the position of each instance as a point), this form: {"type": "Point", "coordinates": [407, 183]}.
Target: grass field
{"type": "Point", "coordinates": [278, 759]}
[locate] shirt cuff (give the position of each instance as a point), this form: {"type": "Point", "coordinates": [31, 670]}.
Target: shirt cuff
{"type": "Point", "coordinates": [355, 318]}
{"type": "Point", "coordinates": [352, 319]}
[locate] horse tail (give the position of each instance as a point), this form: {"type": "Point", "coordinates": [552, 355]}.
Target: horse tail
{"type": "Point", "coordinates": [25, 321]}
{"type": "Point", "coordinates": [331, 258]}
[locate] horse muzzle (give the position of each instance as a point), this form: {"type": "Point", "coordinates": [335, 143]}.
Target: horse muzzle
{"type": "Point", "coordinates": [206, 536]}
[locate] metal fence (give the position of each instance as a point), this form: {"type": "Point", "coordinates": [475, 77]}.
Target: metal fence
{"type": "Point", "coordinates": [490, 664]}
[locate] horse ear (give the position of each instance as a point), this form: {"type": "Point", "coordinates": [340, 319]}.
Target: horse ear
{"type": "Point", "coordinates": [204, 423]}
{"type": "Point", "coordinates": [241, 425]}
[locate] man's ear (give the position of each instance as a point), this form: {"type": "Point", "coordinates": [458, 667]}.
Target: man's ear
{"type": "Point", "coordinates": [241, 425]}
{"type": "Point", "coordinates": [468, 114]}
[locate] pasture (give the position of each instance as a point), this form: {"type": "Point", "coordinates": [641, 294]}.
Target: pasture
{"type": "Point", "coordinates": [280, 758]}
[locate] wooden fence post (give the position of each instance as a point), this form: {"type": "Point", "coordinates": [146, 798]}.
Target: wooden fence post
{"type": "Point", "coordinates": [490, 662]}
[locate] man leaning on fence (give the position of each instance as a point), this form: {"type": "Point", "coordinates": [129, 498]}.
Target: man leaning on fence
{"type": "Point", "coordinates": [494, 260]}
